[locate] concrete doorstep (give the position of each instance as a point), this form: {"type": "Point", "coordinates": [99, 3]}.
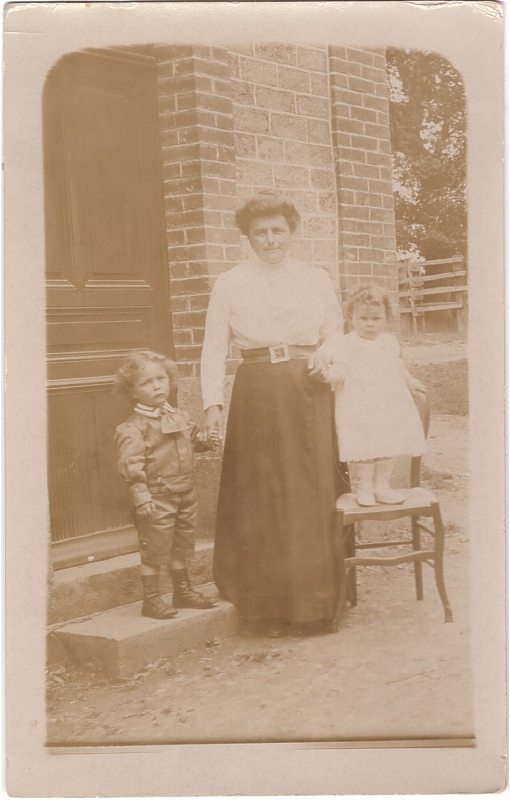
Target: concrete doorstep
{"type": "Point", "coordinates": [103, 585]}
{"type": "Point", "coordinates": [121, 642]}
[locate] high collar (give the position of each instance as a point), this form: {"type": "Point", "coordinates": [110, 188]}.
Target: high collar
{"type": "Point", "coordinates": [154, 413]}
{"type": "Point", "coordinates": [172, 420]}
{"type": "Point", "coordinates": [271, 269]}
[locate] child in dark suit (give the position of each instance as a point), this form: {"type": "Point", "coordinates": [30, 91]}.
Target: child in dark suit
{"type": "Point", "coordinates": [155, 456]}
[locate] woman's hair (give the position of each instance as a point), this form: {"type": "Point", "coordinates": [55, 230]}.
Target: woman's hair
{"type": "Point", "coordinates": [266, 204]}
{"type": "Point", "coordinates": [127, 373]}
{"type": "Point", "coordinates": [371, 295]}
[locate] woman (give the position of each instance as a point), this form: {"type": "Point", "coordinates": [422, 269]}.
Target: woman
{"type": "Point", "coordinates": [273, 555]}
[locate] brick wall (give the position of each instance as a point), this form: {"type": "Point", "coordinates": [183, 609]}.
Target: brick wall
{"type": "Point", "coordinates": [283, 139]}
{"type": "Point", "coordinates": [196, 125]}
{"type": "Point", "coordinates": [360, 128]}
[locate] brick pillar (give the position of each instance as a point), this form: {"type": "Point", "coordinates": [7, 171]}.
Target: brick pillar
{"type": "Point", "coordinates": [199, 173]}
{"type": "Point", "coordinates": [361, 141]}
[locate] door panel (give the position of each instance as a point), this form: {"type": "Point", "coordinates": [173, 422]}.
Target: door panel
{"type": "Point", "coordinates": [107, 205]}
{"type": "Point", "coordinates": [107, 272]}
{"type": "Point", "coordinates": [84, 496]}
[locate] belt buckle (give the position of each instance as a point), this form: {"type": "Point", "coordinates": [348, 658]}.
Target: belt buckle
{"type": "Point", "coordinates": [279, 353]}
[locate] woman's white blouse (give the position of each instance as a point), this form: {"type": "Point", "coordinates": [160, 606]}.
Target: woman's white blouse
{"type": "Point", "coordinates": [257, 305]}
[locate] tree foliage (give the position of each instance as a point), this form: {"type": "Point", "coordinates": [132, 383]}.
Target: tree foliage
{"type": "Point", "coordinates": [428, 138]}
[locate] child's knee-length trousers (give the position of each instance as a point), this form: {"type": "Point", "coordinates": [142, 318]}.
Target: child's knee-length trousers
{"type": "Point", "coordinates": [169, 532]}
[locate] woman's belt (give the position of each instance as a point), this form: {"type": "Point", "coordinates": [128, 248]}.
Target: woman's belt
{"type": "Point", "coordinates": [278, 352]}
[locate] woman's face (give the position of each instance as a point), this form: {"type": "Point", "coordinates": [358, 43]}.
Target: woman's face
{"type": "Point", "coordinates": [270, 238]}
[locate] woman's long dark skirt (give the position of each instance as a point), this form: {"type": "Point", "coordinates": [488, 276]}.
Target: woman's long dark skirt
{"type": "Point", "coordinates": [273, 555]}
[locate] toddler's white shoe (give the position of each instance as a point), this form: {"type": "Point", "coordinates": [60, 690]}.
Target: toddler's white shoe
{"type": "Point", "coordinates": [389, 497]}
{"type": "Point", "coordinates": [365, 497]}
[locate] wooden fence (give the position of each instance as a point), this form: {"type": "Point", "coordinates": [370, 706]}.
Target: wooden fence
{"type": "Point", "coordinates": [426, 286]}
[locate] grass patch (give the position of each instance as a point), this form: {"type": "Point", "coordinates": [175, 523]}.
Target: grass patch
{"type": "Point", "coordinates": [447, 386]}
{"type": "Point", "coordinates": [436, 479]}
{"type": "Point", "coordinates": [439, 337]}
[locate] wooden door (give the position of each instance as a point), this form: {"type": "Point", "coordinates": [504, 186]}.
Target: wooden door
{"type": "Point", "coordinates": [107, 282]}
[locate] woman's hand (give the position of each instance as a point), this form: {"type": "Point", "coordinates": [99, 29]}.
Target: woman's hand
{"type": "Point", "coordinates": [212, 427]}
{"type": "Point", "coordinates": [318, 365]}
{"type": "Point", "coordinates": [146, 509]}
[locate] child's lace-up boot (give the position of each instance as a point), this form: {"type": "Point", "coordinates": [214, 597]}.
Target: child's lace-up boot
{"type": "Point", "coordinates": [184, 595]}
{"type": "Point", "coordinates": [153, 606]}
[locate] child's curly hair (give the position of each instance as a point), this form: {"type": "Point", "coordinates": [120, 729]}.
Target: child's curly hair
{"type": "Point", "coordinates": [127, 373]}
{"type": "Point", "coordinates": [371, 295]}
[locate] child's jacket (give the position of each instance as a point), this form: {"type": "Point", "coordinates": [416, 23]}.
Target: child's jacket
{"type": "Point", "coordinates": [155, 451]}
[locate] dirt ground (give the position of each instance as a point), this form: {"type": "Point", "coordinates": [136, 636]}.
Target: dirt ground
{"type": "Point", "coordinates": [394, 670]}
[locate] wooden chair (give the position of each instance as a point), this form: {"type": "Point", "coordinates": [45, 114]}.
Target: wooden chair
{"type": "Point", "coordinates": [419, 503]}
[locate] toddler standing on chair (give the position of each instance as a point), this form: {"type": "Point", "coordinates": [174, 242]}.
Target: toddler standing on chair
{"type": "Point", "coordinates": [155, 456]}
{"type": "Point", "coordinates": [375, 414]}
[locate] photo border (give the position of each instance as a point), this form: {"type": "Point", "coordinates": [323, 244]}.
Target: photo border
{"type": "Point", "coordinates": [470, 35]}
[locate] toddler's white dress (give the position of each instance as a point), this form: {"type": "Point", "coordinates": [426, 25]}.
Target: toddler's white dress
{"type": "Point", "coordinates": [375, 413]}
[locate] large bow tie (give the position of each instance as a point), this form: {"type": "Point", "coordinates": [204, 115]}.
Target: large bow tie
{"type": "Point", "coordinates": [172, 420]}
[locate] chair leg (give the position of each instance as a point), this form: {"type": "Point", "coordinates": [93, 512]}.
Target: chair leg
{"type": "Point", "coordinates": [418, 566]}
{"type": "Point", "coordinates": [350, 552]}
{"type": "Point", "coordinates": [338, 545]}
{"type": "Point", "coordinates": [438, 561]}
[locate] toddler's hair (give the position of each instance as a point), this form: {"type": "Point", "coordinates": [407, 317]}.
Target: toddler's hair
{"type": "Point", "coordinates": [127, 373]}
{"type": "Point", "coordinates": [371, 295]}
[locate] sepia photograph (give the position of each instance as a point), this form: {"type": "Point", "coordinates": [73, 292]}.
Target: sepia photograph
{"type": "Point", "coordinates": [200, 199]}
{"type": "Point", "coordinates": [259, 315]}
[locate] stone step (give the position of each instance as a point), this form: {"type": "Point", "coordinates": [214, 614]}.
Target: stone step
{"type": "Point", "coordinates": [102, 585]}
{"type": "Point", "coordinates": [122, 642]}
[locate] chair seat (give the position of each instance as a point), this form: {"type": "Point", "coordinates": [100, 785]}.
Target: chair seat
{"type": "Point", "coordinates": [417, 500]}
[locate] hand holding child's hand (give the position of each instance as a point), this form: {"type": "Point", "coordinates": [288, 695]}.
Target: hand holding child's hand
{"type": "Point", "coordinates": [417, 386]}
{"type": "Point", "coordinates": [318, 365]}
{"type": "Point", "coordinates": [214, 439]}
{"type": "Point", "coordinates": [146, 509]}
{"type": "Point", "coordinates": [212, 428]}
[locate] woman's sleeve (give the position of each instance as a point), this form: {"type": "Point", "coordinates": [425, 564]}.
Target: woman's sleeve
{"type": "Point", "coordinates": [216, 344]}
{"type": "Point", "coordinates": [332, 329]}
